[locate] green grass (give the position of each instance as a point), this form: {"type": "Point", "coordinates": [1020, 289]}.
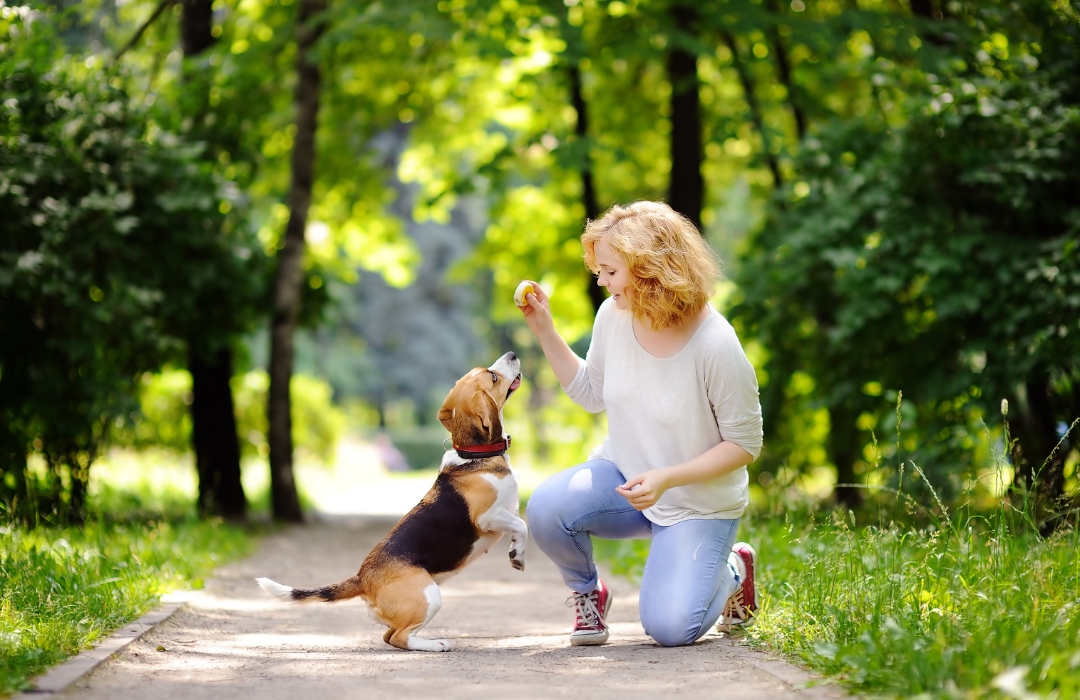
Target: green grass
{"type": "Point", "coordinates": [977, 608]}
{"type": "Point", "coordinates": [964, 607]}
{"type": "Point", "coordinates": [913, 600]}
{"type": "Point", "coordinates": [62, 589]}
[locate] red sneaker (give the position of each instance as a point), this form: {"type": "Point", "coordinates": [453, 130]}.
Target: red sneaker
{"type": "Point", "coordinates": [590, 611]}
{"type": "Point", "coordinates": [742, 604]}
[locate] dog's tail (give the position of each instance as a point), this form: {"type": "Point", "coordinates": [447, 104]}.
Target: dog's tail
{"type": "Point", "coordinates": [349, 588]}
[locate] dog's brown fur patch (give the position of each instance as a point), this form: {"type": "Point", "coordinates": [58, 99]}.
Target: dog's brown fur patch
{"type": "Point", "coordinates": [399, 602]}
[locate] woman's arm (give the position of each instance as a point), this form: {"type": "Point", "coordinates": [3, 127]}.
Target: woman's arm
{"type": "Point", "coordinates": [645, 489]}
{"type": "Point", "coordinates": [564, 362]}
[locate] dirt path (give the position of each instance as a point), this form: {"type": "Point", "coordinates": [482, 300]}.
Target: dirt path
{"type": "Point", "coordinates": [509, 630]}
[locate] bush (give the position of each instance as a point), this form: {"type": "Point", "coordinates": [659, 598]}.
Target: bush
{"type": "Point", "coordinates": [317, 424]}
{"type": "Point", "coordinates": [422, 447]}
{"type": "Point", "coordinates": [114, 243]}
{"type": "Point", "coordinates": [164, 419]}
{"type": "Point", "coordinates": [938, 258]}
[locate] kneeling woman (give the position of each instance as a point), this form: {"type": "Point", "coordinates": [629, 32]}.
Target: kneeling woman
{"type": "Point", "coordinates": [683, 422]}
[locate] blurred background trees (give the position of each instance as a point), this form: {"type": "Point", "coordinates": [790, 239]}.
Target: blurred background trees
{"type": "Point", "coordinates": [891, 182]}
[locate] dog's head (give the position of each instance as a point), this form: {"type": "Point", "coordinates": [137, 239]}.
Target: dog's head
{"type": "Point", "coordinates": [472, 411]}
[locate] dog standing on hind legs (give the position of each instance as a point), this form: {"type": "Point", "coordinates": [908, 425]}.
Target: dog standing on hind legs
{"type": "Point", "coordinates": [473, 502]}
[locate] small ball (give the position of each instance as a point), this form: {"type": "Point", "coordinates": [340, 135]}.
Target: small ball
{"type": "Point", "coordinates": [523, 290]}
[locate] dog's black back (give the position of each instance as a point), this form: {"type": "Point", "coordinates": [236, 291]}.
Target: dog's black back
{"type": "Point", "coordinates": [437, 535]}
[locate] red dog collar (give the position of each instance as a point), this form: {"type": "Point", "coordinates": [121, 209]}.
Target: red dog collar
{"type": "Point", "coordinates": [495, 449]}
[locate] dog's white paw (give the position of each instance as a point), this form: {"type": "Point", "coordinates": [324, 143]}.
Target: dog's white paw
{"type": "Point", "coordinates": [516, 561]}
{"type": "Point", "coordinates": [421, 644]}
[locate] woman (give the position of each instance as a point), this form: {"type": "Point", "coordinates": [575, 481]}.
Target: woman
{"type": "Point", "coordinates": [683, 423]}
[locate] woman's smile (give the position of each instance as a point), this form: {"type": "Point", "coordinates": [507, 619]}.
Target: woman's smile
{"type": "Point", "coordinates": [613, 274]}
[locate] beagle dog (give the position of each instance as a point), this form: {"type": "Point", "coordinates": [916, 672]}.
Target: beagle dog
{"type": "Point", "coordinates": [473, 502]}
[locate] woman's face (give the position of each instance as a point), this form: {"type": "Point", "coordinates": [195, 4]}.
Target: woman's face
{"type": "Point", "coordinates": [614, 275]}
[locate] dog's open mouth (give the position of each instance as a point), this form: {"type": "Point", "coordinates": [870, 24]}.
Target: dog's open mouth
{"type": "Point", "coordinates": [513, 386]}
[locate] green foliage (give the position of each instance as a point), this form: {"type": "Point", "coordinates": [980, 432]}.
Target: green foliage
{"type": "Point", "coordinates": [115, 241]}
{"type": "Point", "coordinates": [317, 423]}
{"type": "Point", "coordinates": [163, 419]}
{"type": "Point", "coordinates": [63, 589]}
{"type": "Point", "coordinates": [422, 447]}
{"type": "Point", "coordinates": [931, 144]}
{"type": "Point", "coordinates": [938, 258]}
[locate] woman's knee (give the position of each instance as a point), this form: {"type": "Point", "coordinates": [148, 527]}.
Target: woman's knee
{"type": "Point", "coordinates": [559, 497]}
{"type": "Point", "coordinates": [671, 630]}
{"type": "Point", "coordinates": [545, 511]}
{"type": "Point", "coordinates": [543, 501]}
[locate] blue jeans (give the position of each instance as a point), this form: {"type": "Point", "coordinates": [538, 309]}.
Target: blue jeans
{"type": "Point", "coordinates": [687, 578]}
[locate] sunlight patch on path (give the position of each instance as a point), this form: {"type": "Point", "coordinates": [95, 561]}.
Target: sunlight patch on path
{"type": "Point", "coordinates": [359, 484]}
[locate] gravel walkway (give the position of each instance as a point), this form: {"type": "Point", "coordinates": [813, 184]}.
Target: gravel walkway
{"type": "Point", "coordinates": [509, 629]}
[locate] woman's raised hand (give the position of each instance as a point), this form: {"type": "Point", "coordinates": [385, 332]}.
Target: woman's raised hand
{"type": "Point", "coordinates": [537, 312]}
{"type": "Point", "coordinates": [537, 308]}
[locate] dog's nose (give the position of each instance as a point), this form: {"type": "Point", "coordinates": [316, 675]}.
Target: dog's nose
{"type": "Point", "coordinates": [511, 356]}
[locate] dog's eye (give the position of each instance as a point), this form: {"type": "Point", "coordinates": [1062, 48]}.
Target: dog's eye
{"type": "Point", "coordinates": [494, 377]}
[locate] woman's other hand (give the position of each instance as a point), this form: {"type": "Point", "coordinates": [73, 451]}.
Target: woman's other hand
{"type": "Point", "coordinates": [645, 489]}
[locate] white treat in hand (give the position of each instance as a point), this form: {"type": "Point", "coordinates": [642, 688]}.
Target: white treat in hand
{"type": "Point", "coordinates": [523, 290]}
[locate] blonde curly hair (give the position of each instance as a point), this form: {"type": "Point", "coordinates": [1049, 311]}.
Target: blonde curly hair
{"type": "Point", "coordinates": [672, 268]}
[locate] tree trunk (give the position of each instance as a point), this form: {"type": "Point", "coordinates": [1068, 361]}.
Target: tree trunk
{"type": "Point", "coordinates": [928, 9]}
{"type": "Point", "coordinates": [935, 11]}
{"type": "Point", "coordinates": [213, 420]}
{"type": "Point", "coordinates": [213, 434]}
{"type": "Point", "coordinates": [289, 276]}
{"type": "Point", "coordinates": [844, 451]}
{"type": "Point", "coordinates": [13, 449]}
{"type": "Point", "coordinates": [588, 189]}
{"type": "Point", "coordinates": [686, 193]}
{"type": "Point", "coordinates": [196, 25]}
{"type": "Point", "coordinates": [1038, 467]}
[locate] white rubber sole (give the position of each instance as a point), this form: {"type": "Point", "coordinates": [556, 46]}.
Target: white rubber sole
{"type": "Point", "coordinates": [588, 639]}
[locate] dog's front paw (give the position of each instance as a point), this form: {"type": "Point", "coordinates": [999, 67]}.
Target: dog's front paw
{"type": "Point", "coordinates": [516, 561]}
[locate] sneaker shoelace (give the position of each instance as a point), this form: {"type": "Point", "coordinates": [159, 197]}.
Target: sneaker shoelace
{"type": "Point", "coordinates": [734, 613]}
{"type": "Point", "coordinates": [587, 614]}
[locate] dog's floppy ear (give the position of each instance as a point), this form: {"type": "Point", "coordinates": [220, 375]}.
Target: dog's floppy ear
{"type": "Point", "coordinates": [487, 413]}
{"type": "Point", "coordinates": [446, 413]}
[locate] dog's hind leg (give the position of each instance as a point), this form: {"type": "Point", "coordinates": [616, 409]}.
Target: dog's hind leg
{"type": "Point", "coordinates": [407, 605]}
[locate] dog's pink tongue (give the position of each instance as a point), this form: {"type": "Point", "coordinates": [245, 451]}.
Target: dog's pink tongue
{"type": "Point", "coordinates": [515, 384]}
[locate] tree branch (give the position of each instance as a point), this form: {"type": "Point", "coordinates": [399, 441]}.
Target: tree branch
{"type": "Point", "coordinates": [783, 69]}
{"type": "Point", "coordinates": [162, 6]}
{"type": "Point", "coordinates": [751, 102]}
